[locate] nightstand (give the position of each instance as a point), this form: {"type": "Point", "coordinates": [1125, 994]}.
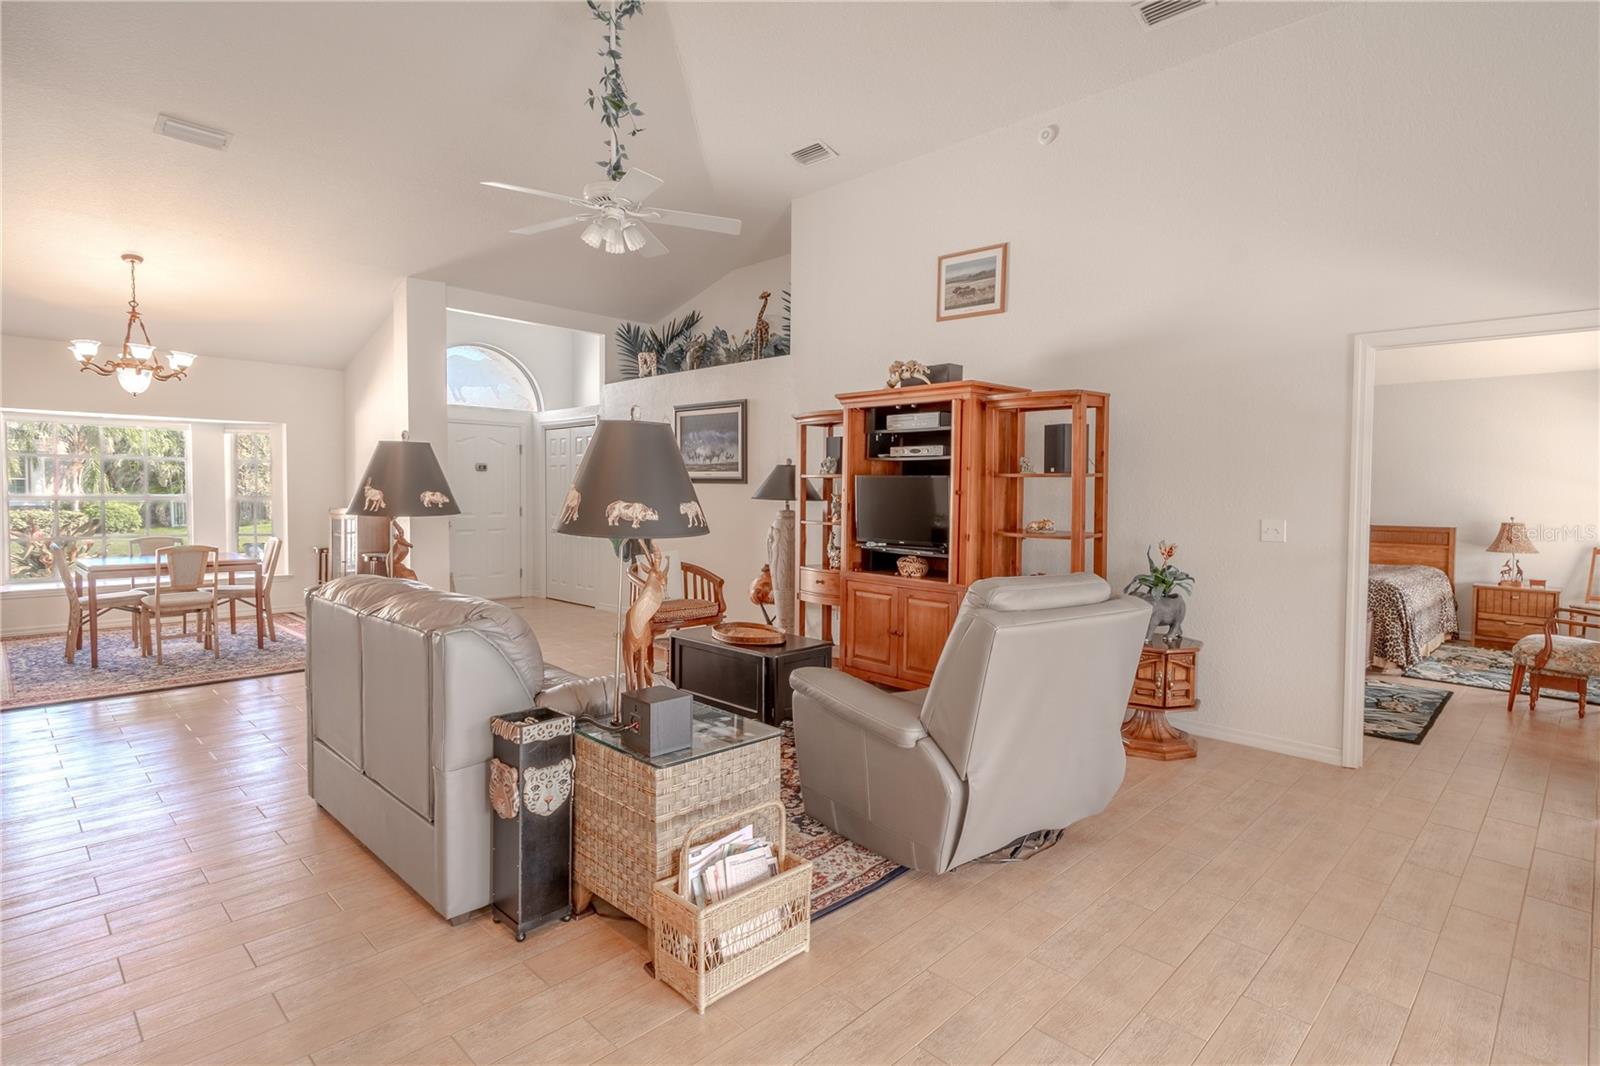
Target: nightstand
{"type": "Point", "coordinates": [1504, 614]}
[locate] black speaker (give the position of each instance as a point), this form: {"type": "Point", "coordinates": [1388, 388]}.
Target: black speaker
{"type": "Point", "coordinates": [1057, 448]}
{"type": "Point", "coordinates": [835, 448]}
{"type": "Point", "coordinates": [657, 720]}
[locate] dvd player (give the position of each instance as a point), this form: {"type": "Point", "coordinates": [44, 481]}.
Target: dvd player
{"type": "Point", "coordinates": [918, 420]}
{"type": "Point", "coordinates": [917, 451]}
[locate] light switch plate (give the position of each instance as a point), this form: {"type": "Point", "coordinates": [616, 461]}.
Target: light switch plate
{"type": "Point", "coordinates": [1274, 530]}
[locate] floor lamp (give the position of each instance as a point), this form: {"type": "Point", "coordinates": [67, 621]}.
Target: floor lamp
{"type": "Point", "coordinates": [403, 480]}
{"type": "Point", "coordinates": [633, 489]}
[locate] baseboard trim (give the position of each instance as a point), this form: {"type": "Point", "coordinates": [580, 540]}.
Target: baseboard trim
{"type": "Point", "coordinates": [1298, 748]}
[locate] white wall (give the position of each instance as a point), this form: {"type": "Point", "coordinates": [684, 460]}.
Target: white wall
{"type": "Point", "coordinates": [1471, 454]}
{"type": "Point", "coordinates": [1202, 244]}
{"type": "Point", "coordinates": [39, 375]}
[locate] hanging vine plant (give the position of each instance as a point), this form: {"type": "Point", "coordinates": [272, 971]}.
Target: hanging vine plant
{"type": "Point", "coordinates": [612, 101]}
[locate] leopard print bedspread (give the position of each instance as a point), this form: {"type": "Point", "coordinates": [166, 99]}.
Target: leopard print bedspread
{"type": "Point", "coordinates": [1411, 607]}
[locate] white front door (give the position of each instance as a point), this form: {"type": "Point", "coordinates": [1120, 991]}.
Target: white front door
{"type": "Point", "coordinates": [571, 563]}
{"type": "Point", "coordinates": [486, 537]}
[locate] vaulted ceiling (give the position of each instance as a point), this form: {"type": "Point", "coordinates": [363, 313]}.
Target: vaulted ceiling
{"type": "Point", "coordinates": [362, 129]}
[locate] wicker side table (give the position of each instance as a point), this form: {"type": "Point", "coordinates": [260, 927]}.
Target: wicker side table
{"type": "Point", "coordinates": [631, 812]}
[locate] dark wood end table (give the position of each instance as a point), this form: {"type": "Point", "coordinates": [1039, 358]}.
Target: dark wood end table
{"type": "Point", "coordinates": [1163, 682]}
{"type": "Point", "coordinates": [752, 681]}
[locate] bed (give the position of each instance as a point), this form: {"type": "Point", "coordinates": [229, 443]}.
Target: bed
{"type": "Point", "coordinates": [1411, 594]}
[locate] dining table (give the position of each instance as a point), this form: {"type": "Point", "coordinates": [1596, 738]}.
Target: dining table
{"type": "Point", "coordinates": [89, 571]}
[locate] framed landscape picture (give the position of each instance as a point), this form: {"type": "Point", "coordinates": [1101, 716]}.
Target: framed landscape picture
{"type": "Point", "coordinates": [711, 439]}
{"type": "Point", "coordinates": [973, 282]}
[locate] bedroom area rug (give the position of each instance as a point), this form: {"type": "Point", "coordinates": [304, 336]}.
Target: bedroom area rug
{"type": "Point", "coordinates": [35, 672]}
{"type": "Point", "coordinates": [842, 871]}
{"type": "Point", "coordinates": [1402, 712]}
{"type": "Point", "coordinates": [1458, 663]}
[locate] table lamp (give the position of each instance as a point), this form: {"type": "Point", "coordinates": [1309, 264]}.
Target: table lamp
{"type": "Point", "coordinates": [403, 480]}
{"type": "Point", "coordinates": [1512, 538]}
{"type": "Point", "coordinates": [633, 489]}
{"type": "Point", "coordinates": [780, 485]}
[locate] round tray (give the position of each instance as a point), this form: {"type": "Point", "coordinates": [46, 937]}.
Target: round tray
{"type": "Point", "coordinates": [748, 634]}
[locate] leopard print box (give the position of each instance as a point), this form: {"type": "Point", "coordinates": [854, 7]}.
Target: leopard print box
{"type": "Point", "coordinates": [530, 792]}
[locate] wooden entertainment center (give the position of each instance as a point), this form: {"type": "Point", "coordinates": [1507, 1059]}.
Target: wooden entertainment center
{"type": "Point", "coordinates": [976, 433]}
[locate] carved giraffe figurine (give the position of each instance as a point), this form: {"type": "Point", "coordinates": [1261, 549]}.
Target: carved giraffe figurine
{"type": "Point", "coordinates": [648, 575]}
{"type": "Point", "coordinates": [763, 331]}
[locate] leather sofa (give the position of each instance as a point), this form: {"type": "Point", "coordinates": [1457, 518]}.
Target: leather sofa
{"type": "Point", "coordinates": [401, 681]}
{"type": "Point", "coordinates": [1019, 731]}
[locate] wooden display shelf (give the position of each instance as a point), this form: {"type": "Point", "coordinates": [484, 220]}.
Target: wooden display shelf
{"type": "Point", "coordinates": [1035, 473]}
{"type": "Point", "coordinates": [818, 522]}
{"type": "Point", "coordinates": [1054, 535]}
{"type": "Point", "coordinates": [823, 476]}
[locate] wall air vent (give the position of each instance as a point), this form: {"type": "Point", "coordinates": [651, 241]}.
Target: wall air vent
{"type": "Point", "coordinates": [192, 132]}
{"type": "Point", "coordinates": [1155, 12]}
{"type": "Point", "coordinates": [813, 153]}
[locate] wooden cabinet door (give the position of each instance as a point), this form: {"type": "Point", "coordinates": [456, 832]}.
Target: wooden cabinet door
{"type": "Point", "coordinates": [1180, 679]}
{"type": "Point", "coordinates": [924, 625]}
{"type": "Point", "coordinates": [869, 628]}
{"type": "Point", "coordinates": [1149, 681]}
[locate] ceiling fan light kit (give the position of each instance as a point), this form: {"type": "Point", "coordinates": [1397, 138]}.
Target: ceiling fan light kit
{"type": "Point", "coordinates": [136, 367]}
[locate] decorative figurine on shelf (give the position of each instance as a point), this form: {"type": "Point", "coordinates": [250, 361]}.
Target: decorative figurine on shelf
{"type": "Point", "coordinates": [912, 566]}
{"type": "Point", "coordinates": [1025, 465]}
{"type": "Point", "coordinates": [648, 574]}
{"type": "Point", "coordinates": [1040, 525]}
{"type": "Point", "coordinates": [828, 465]}
{"type": "Point", "coordinates": [1161, 587]}
{"type": "Point", "coordinates": [835, 552]}
{"type": "Point", "coordinates": [761, 591]}
{"type": "Point", "coordinates": [907, 372]}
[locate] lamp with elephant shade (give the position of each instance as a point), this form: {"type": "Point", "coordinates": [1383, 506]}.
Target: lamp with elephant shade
{"type": "Point", "coordinates": [633, 489]}
{"type": "Point", "coordinates": [780, 485]}
{"type": "Point", "coordinates": [403, 480]}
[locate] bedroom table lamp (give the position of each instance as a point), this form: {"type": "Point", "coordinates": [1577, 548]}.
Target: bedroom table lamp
{"type": "Point", "coordinates": [780, 485]}
{"type": "Point", "coordinates": [403, 480]}
{"type": "Point", "coordinates": [1513, 539]}
{"type": "Point", "coordinates": [633, 489]}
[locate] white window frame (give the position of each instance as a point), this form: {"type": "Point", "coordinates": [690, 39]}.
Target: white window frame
{"type": "Point", "coordinates": [186, 497]}
{"type": "Point", "coordinates": [533, 382]}
{"type": "Point", "coordinates": [279, 498]}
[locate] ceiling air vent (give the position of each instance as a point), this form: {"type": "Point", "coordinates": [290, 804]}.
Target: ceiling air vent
{"type": "Point", "coordinates": [813, 153]}
{"type": "Point", "coordinates": [1155, 12]}
{"type": "Point", "coordinates": [192, 132]}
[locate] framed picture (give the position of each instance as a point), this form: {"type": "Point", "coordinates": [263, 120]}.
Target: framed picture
{"type": "Point", "coordinates": [973, 282]}
{"type": "Point", "coordinates": [711, 439]}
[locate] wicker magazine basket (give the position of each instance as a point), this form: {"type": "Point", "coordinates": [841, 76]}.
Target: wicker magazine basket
{"type": "Point", "coordinates": [706, 952]}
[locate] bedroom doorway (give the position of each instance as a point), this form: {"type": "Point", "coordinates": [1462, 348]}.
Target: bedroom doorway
{"type": "Point", "coordinates": [1455, 430]}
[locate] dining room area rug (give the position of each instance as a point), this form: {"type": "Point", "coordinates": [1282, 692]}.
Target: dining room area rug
{"type": "Point", "coordinates": [36, 672]}
{"type": "Point", "coordinates": [1460, 663]}
{"type": "Point", "coordinates": [1402, 712]}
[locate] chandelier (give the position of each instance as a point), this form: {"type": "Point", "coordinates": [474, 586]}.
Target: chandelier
{"type": "Point", "coordinates": [136, 367]}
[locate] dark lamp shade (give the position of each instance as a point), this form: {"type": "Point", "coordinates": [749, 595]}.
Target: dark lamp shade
{"type": "Point", "coordinates": [779, 485]}
{"type": "Point", "coordinates": [632, 483]}
{"type": "Point", "coordinates": [403, 480]}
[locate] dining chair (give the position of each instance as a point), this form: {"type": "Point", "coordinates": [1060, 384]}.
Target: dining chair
{"type": "Point", "coordinates": [246, 594]}
{"type": "Point", "coordinates": [190, 587]}
{"type": "Point", "coordinates": [149, 546]}
{"type": "Point", "coordinates": [78, 610]}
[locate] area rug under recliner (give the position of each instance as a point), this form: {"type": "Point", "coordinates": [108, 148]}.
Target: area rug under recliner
{"type": "Point", "coordinates": [38, 674]}
{"type": "Point", "coordinates": [1402, 712]}
{"type": "Point", "coordinates": [1458, 663]}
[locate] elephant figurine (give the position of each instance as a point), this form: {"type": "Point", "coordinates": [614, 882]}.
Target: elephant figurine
{"type": "Point", "coordinates": [1166, 611]}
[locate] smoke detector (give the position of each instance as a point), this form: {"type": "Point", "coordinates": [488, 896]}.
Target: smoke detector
{"type": "Point", "coordinates": [813, 153]}
{"type": "Point", "coordinates": [1154, 12]}
{"type": "Point", "coordinates": [192, 132]}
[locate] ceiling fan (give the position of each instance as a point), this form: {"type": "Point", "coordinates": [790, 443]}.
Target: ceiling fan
{"type": "Point", "coordinates": [616, 215]}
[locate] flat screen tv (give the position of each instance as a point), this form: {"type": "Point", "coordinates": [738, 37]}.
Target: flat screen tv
{"type": "Point", "coordinates": [903, 510]}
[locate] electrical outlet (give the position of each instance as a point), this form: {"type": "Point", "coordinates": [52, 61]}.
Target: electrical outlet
{"type": "Point", "coordinates": [1274, 530]}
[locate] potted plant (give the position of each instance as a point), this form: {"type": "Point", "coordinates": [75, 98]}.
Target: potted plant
{"type": "Point", "coordinates": [1162, 586]}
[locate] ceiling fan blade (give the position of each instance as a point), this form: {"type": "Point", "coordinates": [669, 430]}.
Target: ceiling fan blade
{"type": "Point", "coordinates": [652, 244]}
{"type": "Point", "coordinates": [694, 220]}
{"type": "Point", "coordinates": [545, 227]}
{"type": "Point", "coordinates": [534, 192]}
{"type": "Point", "coordinates": [636, 186]}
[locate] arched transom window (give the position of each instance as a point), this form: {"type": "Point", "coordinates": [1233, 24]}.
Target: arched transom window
{"type": "Point", "coordinates": [480, 376]}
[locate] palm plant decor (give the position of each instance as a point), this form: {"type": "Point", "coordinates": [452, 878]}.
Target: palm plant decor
{"type": "Point", "coordinates": [612, 100]}
{"type": "Point", "coordinates": [1163, 580]}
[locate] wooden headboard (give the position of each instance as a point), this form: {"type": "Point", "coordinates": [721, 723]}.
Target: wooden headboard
{"type": "Point", "coordinates": [1415, 546]}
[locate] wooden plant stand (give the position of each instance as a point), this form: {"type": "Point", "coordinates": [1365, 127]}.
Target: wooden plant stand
{"type": "Point", "coordinates": [1163, 682]}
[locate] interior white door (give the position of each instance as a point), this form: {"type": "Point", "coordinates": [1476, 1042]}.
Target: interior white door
{"type": "Point", "coordinates": [486, 537]}
{"type": "Point", "coordinates": [572, 564]}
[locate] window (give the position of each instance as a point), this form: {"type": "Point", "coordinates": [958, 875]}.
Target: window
{"type": "Point", "coordinates": [92, 485]}
{"type": "Point", "coordinates": [250, 459]}
{"type": "Point", "coordinates": [480, 376]}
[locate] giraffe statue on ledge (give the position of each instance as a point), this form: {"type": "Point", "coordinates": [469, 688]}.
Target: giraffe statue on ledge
{"type": "Point", "coordinates": [763, 330]}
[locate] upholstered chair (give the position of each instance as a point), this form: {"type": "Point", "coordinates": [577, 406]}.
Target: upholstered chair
{"type": "Point", "coordinates": [1020, 730]}
{"type": "Point", "coordinates": [188, 586]}
{"type": "Point", "coordinates": [1553, 660]}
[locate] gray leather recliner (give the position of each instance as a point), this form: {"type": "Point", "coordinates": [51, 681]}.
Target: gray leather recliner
{"type": "Point", "coordinates": [401, 681]}
{"type": "Point", "coordinates": [1019, 731]}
